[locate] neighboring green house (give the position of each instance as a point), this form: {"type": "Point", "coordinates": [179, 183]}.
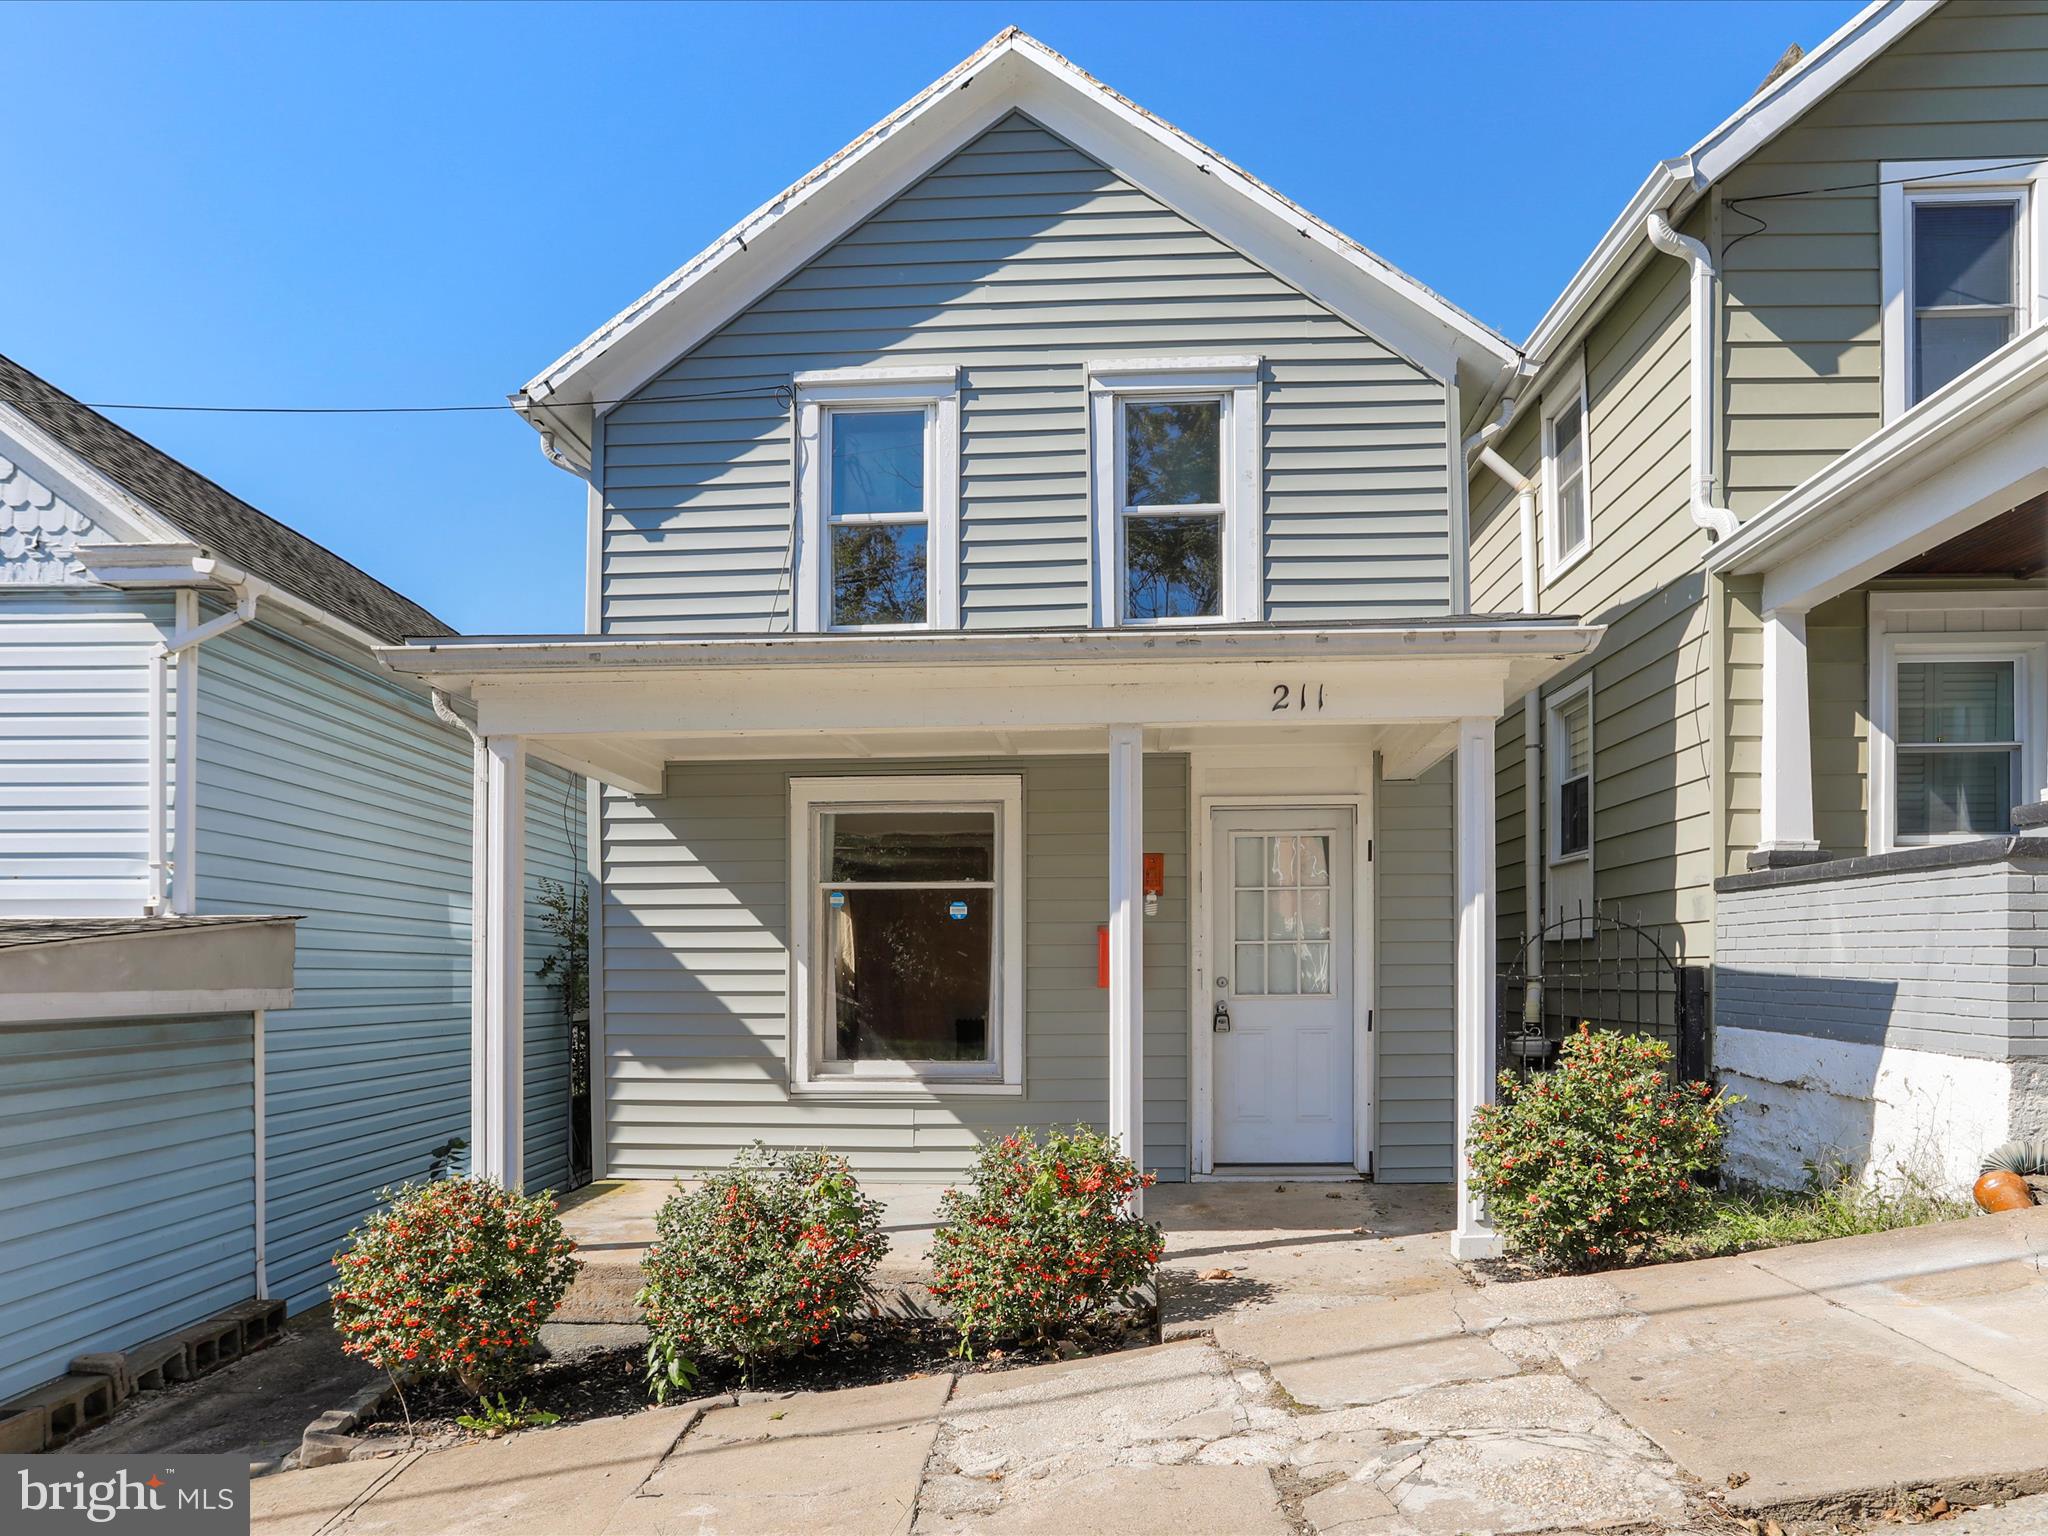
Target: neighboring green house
{"type": "Point", "coordinates": [234, 899]}
{"type": "Point", "coordinates": [1786, 435]}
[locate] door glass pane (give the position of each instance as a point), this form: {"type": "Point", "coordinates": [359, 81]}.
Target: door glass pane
{"type": "Point", "coordinates": [1315, 914]}
{"type": "Point", "coordinates": [1962, 253]}
{"type": "Point", "coordinates": [893, 845]}
{"type": "Point", "coordinates": [1173, 567]}
{"type": "Point", "coordinates": [1251, 915]}
{"type": "Point", "coordinates": [878, 572]}
{"type": "Point", "coordinates": [1946, 346]}
{"type": "Point", "coordinates": [1173, 453]}
{"type": "Point", "coordinates": [1315, 860]}
{"type": "Point", "coordinates": [1283, 914]}
{"type": "Point", "coordinates": [1315, 968]}
{"type": "Point", "coordinates": [877, 462]}
{"type": "Point", "coordinates": [1250, 855]}
{"type": "Point", "coordinates": [1251, 970]}
{"type": "Point", "coordinates": [1955, 793]}
{"type": "Point", "coordinates": [1282, 970]}
{"type": "Point", "coordinates": [910, 980]}
{"type": "Point", "coordinates": [1281, 860]}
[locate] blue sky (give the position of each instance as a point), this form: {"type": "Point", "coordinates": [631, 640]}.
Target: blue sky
{"type": "Point", "coordinates": [380, 204]}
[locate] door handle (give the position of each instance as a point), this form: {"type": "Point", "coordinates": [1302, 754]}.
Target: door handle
{"type": "Point", "coordinates": [1220, 1022]}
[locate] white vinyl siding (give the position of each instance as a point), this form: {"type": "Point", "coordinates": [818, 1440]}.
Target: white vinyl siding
{"type": "Point", "coordinates": [1020, 259]}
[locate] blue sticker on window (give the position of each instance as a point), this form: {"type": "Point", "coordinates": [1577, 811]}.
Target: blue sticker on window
{"type": "Point", "coordinates": [837, 898]}
{"type": "Point", "coordinates": [957, 911]}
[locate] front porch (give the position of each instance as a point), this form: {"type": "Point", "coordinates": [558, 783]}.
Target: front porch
{"type": "Point", "coordinates": [1228, 893]}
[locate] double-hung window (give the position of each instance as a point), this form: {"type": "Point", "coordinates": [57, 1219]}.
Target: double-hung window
{"type": "Point", "coordinates": [878, 494]}
{"type": "Point", "coordinates": [907, 901]}
{"type": "Point", "coordinates": [1959, 241]}
{"type": "Point", "coordinates": [1571, 773]}
{"type": "Point", "coordinates": [1958, 747]}
{"type": "Point", "coordinates": [1567, 504]}
{"type": "Point", "coordinates": [1178, 521]}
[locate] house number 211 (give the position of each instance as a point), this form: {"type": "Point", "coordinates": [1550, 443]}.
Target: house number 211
{"type": "Point", "coordinates": [1298, 697]}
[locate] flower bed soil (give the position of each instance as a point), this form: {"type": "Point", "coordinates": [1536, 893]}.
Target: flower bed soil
{"type": "Point", "coordinates": [606, 1383]}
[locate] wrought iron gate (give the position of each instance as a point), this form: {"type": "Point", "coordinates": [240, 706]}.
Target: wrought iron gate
{"type": "Point", "coordinates": [1601, 969]}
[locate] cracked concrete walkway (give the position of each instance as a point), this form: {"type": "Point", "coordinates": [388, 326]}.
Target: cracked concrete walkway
{"type": "Point", "coordinates": [1345, 1383]}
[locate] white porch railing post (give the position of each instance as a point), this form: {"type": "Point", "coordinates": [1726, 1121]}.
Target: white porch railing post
{"type": "Point", "coordinates": [1127, 940]}
{"type": "Point", "coordinates": [1474, 988]}
{"type": "Point", "coordinates": [1787, 821]}
{"type": "Point", "coordinates": [498, 965]}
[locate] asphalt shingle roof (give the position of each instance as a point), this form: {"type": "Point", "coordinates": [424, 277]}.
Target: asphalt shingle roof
{"type": "Point", "coordinates": [221, 521]}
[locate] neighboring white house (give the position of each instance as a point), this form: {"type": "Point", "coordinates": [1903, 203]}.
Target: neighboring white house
{"type": "Point", "coordinates": [194, 1109]}
{"type": "Point", "coordinates": [1028, 532]}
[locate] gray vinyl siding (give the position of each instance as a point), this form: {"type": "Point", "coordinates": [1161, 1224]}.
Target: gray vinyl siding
{"type": "Point", "coordinates": [74, 749]}
{"type": "Point", "coordinates": [1803, 349]}
{"type": "Point", "coordinates": [1018, 259]}
{"type": "Point", "coordinates": [1415, 944]}
{"type": "Point", "coordinates": [330, 792]}
{"type": "Point", "coordinates": [127, 1185]}
{"type": "Point", "coordinates": [696, 979]}
{"type": "Point", "coordinates": [1653, 811]}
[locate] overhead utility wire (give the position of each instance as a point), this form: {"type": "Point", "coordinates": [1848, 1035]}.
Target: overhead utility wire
{"type": "Point", "coordinates": [1734, 204]}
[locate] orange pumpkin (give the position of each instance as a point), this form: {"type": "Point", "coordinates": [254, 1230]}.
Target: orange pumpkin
{"type": "Point", "coordinates": [2003, 1191]}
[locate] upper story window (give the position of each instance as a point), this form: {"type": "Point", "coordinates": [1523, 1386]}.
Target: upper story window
{"type": "Point", "coordinates": [1178, 516]}
{"type": "Point", "coordinates": [1567, 502]}
{"type": "Point", "coordinates": [1960, 241]}
{"type": "Point", "coordinates": [878, 499]}
{"type": "Point", "coordinates": [1570, 730]}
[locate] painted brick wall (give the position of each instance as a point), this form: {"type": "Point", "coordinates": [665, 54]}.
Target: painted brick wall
{"type": "Point", "coordinates": [1952, 960]}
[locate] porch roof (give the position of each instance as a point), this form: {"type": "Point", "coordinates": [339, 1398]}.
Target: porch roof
{"type": "Point", "coordinates": [621, 707]}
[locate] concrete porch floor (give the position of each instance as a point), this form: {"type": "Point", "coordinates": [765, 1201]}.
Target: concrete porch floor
{"type": "Point", "coordinates": [1233, 1249]}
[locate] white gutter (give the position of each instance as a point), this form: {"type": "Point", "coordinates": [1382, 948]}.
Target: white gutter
{"type": "Point", "coordinates": [1706, 511]}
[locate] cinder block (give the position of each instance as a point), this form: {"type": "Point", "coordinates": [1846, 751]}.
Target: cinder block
{"type": "Point", "coordinates": [71, 1404]}
{"type": "Point", "coordinates": [111, 1364]}
{"type": "Point", "coordinates": [211, 1344]}
{"type": "Point", "coordinates": [23, 1431]}
{"type": "Point", "coordinates": [262, 1322]}
{"type": "Point", "coordinates": [160, 1362]}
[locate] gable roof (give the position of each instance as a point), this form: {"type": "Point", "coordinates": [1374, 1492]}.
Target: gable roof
{"type": "Point", "coordinates": [1012, 72]}
{"type": "Point", "coordinates": [211, 516]}
{"type": "Point", "coordinates": [1675, 184]}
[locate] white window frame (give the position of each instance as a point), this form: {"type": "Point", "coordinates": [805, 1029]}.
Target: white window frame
{"type": "Point", "coordinates": [1908, 183]}
{"type": "Point", "coordinates": [1570, 389]}
{"type": "Point", "coordinates": [809, 1071]}
{"type": "Point", "coordinates": [818, 396]}
{"type": "Point", "coordinates": [1235, 382]}
{"type": "Point", "coordinates": [2027, 649]}
{"type": "Point", "coordinates": [1557, 743]}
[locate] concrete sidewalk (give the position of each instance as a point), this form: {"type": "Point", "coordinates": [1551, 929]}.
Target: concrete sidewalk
{"type": "Point", "coordinates": [1805, 1382]}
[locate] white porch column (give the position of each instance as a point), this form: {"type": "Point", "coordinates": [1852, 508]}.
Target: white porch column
{"type": "Point", "coordinates": [1788, 737]}
{"type": "Point", "coordinates": [498, 963]}
{"type": "Point", "coordinates": [1127, 940]}
{"type": "Point", "coordinates": [1474, 1007]}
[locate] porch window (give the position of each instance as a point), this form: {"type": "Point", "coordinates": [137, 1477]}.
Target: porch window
{"type": "Point", "coordinates": [909, 971]}
{"type": "Point", "coordinates": [1571, 773]}
{"type": "Point", "coordinates": [1958, 747]}
{"type": "Point", "coordinates": [878, 499]}
{"type": "Point", "coordinates": [1567, 506]}
{"type": "Point", "coordinates": [1177, 521]}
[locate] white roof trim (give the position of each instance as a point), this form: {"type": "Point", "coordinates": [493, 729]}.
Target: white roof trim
{"type": "Point", "coordinates": [1013, 72]}
{"type": "Point", "coordinates": [1751, 126]}
{"type": "Point", "coordinates": [1963, 422]}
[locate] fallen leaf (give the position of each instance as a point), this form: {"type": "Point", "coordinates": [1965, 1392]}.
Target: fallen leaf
{"type": "Point", "coordinates": [1214, 1274]}
{"type": "Point", "coordinates": [1772, 1528]}
{"type": "Point", "coordinates": [778, 1414]}
{"type": "Point", "coordinates": [1938, 1508]}
{"type": "Point", "coordinates": [1333, 1195]}
{"type": "Point", "coordinates": [1737, 1479]}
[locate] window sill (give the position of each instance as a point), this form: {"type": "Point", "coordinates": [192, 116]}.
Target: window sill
{"type": "Point", "coordinates": [1558, 859]}
{"type": "Point", "coordinates": [899, 1088]}
{"type": "Point", "coordinates": [1551, 573]}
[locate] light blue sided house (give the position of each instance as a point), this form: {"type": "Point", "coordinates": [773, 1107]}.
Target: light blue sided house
{"type": "Point", "coordinates": [234, 899]}
{"type": "Point", "coordinates": [1032, 674]}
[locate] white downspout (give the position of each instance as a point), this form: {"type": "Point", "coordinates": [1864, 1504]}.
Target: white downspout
{"type": "Point", "coordinates": [1524, 486]}
{"type": "Point", "coordinates": [479, 925]}
{"type": "Point", "coordinates": [1706, 511]}
{"type": "Point", "coordinates": [182, 650]}
{"type": "Point", "coordinates": [262, 1264]}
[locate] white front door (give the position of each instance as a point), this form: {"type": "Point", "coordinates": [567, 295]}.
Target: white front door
{"type": "Point", "coordinates": [1281, 940]}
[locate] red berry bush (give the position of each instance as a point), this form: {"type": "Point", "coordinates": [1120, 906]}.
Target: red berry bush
{"type": "Point", "coordinates": [451, 1279]}
{"type": "Point", "coordinates": [1581, 1165]}
{"type": "Point", "coordinates": [762, 1261]}
{"type": "Point", "coordinates": [1042, 1238]}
